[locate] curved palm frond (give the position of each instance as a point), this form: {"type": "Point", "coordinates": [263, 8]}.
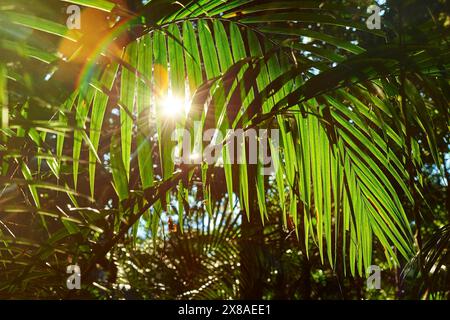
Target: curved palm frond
{"type": "Point", "coordinates": [344, 114]}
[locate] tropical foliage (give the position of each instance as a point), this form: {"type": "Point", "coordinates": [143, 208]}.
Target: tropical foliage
{"type": "Point", "coordinates": [360, 159]}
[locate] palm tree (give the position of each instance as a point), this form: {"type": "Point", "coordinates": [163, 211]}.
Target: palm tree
{"type": "Point", "coordinates": [88, 118]}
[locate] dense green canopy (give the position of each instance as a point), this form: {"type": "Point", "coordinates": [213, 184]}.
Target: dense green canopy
{"type": "Point", "coordinates": [355, 121]}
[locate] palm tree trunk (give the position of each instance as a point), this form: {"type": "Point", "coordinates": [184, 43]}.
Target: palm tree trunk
{"type": "Point", "coordinates": [252, 245]}
{"type": "Point", "coordinates": [306, 289]}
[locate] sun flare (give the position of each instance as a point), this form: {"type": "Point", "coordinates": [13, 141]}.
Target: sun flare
{"type": "Point", "coordinates": [173, 106]}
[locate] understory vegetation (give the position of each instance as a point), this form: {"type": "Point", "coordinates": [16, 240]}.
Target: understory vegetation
{"type": "Point", "coordinates": [351, 168]}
